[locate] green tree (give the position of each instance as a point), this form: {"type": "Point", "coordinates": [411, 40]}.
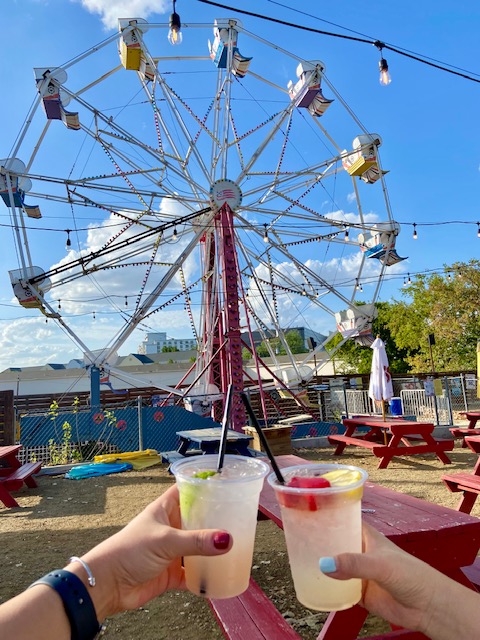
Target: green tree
{"type": "Point", "coordinates": [293, 339]}
{"type": "Point", "coordinates": [444, 305]}
{"type": "Point", "coordinates": [166, 349]}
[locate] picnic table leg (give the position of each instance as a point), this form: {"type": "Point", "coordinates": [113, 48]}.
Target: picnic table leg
{"type": "Point", "coordinates": [393, 445]}
{"type": "Point", "coordinates": [441, 455]}
{"type": "Point", "coordinates": [31, 482]}
{"type": "Point", "coordinates": [7, 499]}
{"type": "Point", "coordinates": [467, 501]}
{"type": "Point", "coordinates": [343, 624]}
{"type": "Point", "coordinates": [340, 448]}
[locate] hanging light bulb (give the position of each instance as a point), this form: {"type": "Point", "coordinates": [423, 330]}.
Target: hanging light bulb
{"type": "Point", "coordinates": [94, 316]}
{"type": "Point", "coordinates": [385, 78]}
{"type": "Point", "coordinates": [404, 282]}
{"type": "Point", "coordinates": [59, 304]}
{"type": "Point", "coordinates": [478, 229]}
{"type": "Point", "coordinates": [68, 243]}
{"type": "Point", "coordinates": [126, 301]}
{"type": "Point", "coordinates": [265, 234]}
{"type": "Point", "coordinates": [409, 281]}
{"type": "Point", "coordinates": [347, 238]}
{"type": "Point", "coordinates": [174, 34]}
{"type": "Point", "coordinates": [415, 236]}
{"type": "Point", "coordinates": [174, 235]}
{"type": "Point", "coordinates": [358, 286]}
{"type": "Point", "coordinates": [449, 277]}
{"type": "Point", "coordinates": [304, 293]}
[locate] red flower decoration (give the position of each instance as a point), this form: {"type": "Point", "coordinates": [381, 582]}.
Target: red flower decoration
{"type": "Point", "coordinates": [98, 418]}
{"type": "Point", "coordinates": [158, 416]}
{"type": "Point", "coordinates": [121, 425]}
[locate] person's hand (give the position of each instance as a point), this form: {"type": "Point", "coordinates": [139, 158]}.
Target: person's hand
{"type": "Point", "coordinates": [144, 559]}
{"type": "Point", "coordinates": [397, 586]}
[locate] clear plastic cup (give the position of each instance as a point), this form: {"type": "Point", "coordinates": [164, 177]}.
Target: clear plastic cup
{"type": "Point", "coordinates": [321, 522]}
{"type": "Point", "coordinates": [226, 500]}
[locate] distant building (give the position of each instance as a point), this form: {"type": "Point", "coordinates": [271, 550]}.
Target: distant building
{"type": "Point", "coordinates": [155, 342]}
{"type": "Point", "coordinates": [303, 331]}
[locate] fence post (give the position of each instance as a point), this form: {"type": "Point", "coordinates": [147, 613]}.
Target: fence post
{"type": "Point", "coordinates": [140, 423]}
{"type": "Point", "coordinates": [449, 399]}
{"type": "Point", "coordinates": [345, 399]}
{"type": "Point", "coordinates": [464, 393]}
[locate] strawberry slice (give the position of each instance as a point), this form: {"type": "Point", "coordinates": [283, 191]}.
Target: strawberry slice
{"type": "Point", "coordinates": [316, 482]}
{"type": "Point", "coordinates": [306, 501]}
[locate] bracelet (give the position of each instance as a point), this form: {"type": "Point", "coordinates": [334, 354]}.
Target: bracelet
{"type": "Point", "coordinates": [91, 577]}
{"type": "Point", "coordinates": [76, 601]}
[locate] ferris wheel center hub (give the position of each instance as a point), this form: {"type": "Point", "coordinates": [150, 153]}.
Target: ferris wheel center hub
{"type": "Point", "coordinates": [225, 192]}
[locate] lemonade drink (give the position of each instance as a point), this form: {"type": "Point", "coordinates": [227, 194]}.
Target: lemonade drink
{"type": "Point", "coordinates": [317, 522]}
{"type": "Point", "coordinates": [226, 500]}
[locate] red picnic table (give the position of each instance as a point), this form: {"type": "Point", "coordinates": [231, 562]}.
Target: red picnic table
{"type": "Point", "coordinates": [13, 474]}
{"type": "Point", "coordinates": [467, 483]}
{"type": "Point", "coordinates": [392, 437]}
{"type": "Point", "coordinates": [460, 432]}
{"type": "Point", "coordinates": [444, 538]}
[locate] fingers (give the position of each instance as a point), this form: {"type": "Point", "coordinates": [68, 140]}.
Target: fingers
{"type": "Point", "coordinates": [350, 565]}
{"type": "Point", "coordinates": [205, 542]}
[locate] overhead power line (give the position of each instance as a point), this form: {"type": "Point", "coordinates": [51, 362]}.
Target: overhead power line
{"type": "Point", "coordinates": [377, 43]}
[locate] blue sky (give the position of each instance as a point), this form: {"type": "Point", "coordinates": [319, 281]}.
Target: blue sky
{"type": "Point", "coordinates": [427, 119]}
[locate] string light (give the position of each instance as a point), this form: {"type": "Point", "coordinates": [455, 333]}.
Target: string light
{"type": "Point", "coordinates": [94, 316]}
{"type": "Point", "coordinates": [358, 286]}
{"type": "Point", "coordinates": [126, 301]}
{"type": "Point", "coordinates": [409, 281]}
{"type": "Point", "coordinates": [59, 304]}
{"type": "Point", "coordinates": [415, 235]}
{"type": "Point", "coordinates": [68, 243]}
{"type": "Point", "coordinates": [265, 234]}
{"type": "Point", "coordinates": [174, 235]}
{"type": "Point", "coordinates": [404, 282]}
{"type": "Point", "coordinates": [347, 238]}
{"type": "Point", "coordinates": [385, 78]}
{"type": "Point", "coordinates": [175, 35]}
{"type": "Point", "coordinates": [449, 277]}
{"type": "Point", "coordinates": [478, 229]}
{"type": "Point", "coordinates": [304, 293]}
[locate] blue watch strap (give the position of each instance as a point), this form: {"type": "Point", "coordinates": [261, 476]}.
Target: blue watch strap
{"type": "Point", "coordinates": [76, 601]}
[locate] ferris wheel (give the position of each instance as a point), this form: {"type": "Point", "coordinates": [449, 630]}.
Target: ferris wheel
{"type": "Point", "coordinates": [225, 179]}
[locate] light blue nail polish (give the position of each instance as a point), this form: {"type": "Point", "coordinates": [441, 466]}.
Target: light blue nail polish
{"type": "Point", "coordinates": [327, 565]}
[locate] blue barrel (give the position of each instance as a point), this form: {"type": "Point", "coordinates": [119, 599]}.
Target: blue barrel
{"type": "Point", "coordinates": [396, 407]}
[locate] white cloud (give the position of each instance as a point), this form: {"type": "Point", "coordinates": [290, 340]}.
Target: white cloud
{"type": "Point", "coordinates": [111, 10]}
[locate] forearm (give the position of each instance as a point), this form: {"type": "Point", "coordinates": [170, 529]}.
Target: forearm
{"type": "Point", "coordinates": [454, 612]}
{"type": "Point", "coordinates": [36, 613]}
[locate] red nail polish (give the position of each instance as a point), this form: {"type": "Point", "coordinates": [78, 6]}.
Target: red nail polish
{"type": "Point", "coordinates": [221, 540]}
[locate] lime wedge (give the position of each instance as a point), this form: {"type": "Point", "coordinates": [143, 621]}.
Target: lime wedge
{"type": "Point", "coordinates": [189, 493]}
{"type": "Point", "coordinates": [205, 474]}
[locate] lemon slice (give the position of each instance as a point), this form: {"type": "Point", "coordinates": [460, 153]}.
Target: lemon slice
{"type": "Point", "coordinates": [342, 477]}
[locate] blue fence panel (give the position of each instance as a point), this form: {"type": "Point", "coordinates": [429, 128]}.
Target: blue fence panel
{"type": "Point", "coordinates": [316, 429]}
{"type": "Point", "coordinates": [159, 427]}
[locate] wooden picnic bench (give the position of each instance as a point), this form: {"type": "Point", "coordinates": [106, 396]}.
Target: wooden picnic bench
{"type": "Point", "coordinates": [466, 482]}
{"type": "Point", "coordinates": [472, 430]}
{"type": "Point", "coordinates": [392, 437]}
{"type": "Point", "coordinates": [13, 474]}
{"type": "Point", "coordinates": [424, 529]}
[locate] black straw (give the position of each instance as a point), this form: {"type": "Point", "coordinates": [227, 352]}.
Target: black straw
{"type": "Point", "coordinates": [225, 421]}
{"type": "Point", "coordinates": [262, 437]}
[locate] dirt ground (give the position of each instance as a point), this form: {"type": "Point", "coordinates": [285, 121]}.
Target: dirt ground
{"type": "Point", "coordinates": [66, 517]}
